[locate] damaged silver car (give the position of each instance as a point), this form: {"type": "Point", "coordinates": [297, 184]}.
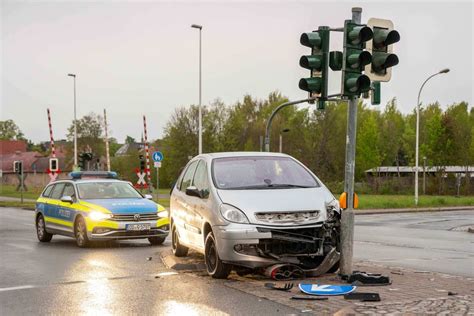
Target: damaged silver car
{"type": "Point", "coordinates": [255, 211]}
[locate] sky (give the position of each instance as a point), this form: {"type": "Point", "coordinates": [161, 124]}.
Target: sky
{"type": "Point", "coordinates": [134, 58]}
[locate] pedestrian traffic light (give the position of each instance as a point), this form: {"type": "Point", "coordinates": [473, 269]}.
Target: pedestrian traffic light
{"type": "Point", "coordinates": [355, 58]}
{"type": "Point", "coordinates": [382, 50]}
{"type": "Point", "coordinates": [18, 166]}
{"type": "Point", "coordinates": [317, 63]}
{"type": "Point", "coordinates": [53, 164]}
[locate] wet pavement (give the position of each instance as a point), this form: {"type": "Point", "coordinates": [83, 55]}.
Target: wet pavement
{"type": "Point", "coordinates": [128, 277]}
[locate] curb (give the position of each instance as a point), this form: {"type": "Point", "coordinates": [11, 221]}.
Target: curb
{"type": "Point", "coordinates": [413, 210]}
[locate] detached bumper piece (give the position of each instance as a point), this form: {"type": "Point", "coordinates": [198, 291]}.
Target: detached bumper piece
{"type": "Point", "coordinates": [366, 279]}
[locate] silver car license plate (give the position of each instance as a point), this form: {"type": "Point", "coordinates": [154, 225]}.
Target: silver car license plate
{"type": "Point", "coordinates": [137, 227]}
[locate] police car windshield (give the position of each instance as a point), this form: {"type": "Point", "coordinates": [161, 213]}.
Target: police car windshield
{"type": "Point", "coordinates": [106, 190]}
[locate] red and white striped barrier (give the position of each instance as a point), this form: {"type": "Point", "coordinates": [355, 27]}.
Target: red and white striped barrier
{"type": "Point", "coordinates": [147, 152]}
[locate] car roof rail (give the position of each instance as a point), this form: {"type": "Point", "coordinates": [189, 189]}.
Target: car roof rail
{"type": "Point", "coordinates": [77, 175]}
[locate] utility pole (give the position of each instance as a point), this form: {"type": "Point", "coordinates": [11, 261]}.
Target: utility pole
{"type": "Point", "coordinates": [200, 85]}
{"type": "Point", "coordinates": [75, 122]}
{"type": "Point", "coordinates": [107, 154]}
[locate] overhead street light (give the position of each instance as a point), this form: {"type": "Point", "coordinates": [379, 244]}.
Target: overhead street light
{"type": "Point", "coordinates": [196, 26]}
{"type": "Point", "coordinates": [75, 122]}
{"type": "Point", "coordinates": [443, 71]}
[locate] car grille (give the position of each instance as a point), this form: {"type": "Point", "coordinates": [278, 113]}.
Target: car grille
{"type": "Point", "coordinates": [288, 217]}
{"type": "Point", "coordinates": [132, 218]}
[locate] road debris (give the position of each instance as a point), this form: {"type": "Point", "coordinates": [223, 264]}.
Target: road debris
{"type": "Point", "coordinates": [308, 298]}
{"type": "Point", "coordinates": [362, 278]}
{"type": "Point", "coordinates": [363, 297]}
{"type": "Point", "coordinates": [286, 287]}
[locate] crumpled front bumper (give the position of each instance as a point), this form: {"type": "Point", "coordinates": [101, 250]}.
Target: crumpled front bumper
{"type": "Point", "coordinates": [232, 235]}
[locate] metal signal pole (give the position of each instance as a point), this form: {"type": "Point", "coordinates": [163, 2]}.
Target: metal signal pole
{"type": "Point", "coordinates": [347, 216]}
{"type": "Point", "coordinates": [106, 141]}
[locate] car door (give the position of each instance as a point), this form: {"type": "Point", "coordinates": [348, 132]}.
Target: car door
{"type": "Point", "coordinates": [65, 210]}
{"type": "Point", "coordinates": [200, 207]}
{"type": "Point", "coordinates": [181, 212]}
{"type": "Point", "coordinates": [53, 220]}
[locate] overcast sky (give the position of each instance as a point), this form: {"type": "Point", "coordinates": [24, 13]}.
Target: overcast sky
{"type": "Point", "coordinates": [136, 58]}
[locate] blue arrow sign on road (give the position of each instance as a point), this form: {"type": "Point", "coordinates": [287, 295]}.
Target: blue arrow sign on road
{"type": "Point", "coordinates": [157, 156]}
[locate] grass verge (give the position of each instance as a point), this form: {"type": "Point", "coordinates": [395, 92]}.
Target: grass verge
{"type": "Point", "coordinates": [25, 205]}
{"type": "Point", "coordinates": [10, 191]}
{"type": "Point", "coordinates": [407, 201]}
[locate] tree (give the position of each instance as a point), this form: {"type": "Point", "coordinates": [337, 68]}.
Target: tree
{"type": "Point", "coordinates": [129, 140]}
{"type": "Point", "coordinates": [10, 131]}
{"type": "Point", "coordinates": [89, 135]}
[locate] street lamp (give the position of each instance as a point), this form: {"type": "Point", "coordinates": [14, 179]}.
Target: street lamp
{"type": "Point", "coordinates": [285, 130]}
{"type": "Point", "coordinates": [75, 122]}
{"type": "Point", "coordinates": [446, 70]}
{"type": "Point", "coordinates": [200, 87]}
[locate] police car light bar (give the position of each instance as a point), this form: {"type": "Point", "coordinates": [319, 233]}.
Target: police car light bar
{"type": "Point", "coordinates": [93, 175]}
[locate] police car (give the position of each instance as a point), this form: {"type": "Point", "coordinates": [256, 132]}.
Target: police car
{"type": "Point", "coordinates": [97, 206]}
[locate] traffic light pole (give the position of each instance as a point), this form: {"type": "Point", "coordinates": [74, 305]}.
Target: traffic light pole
{"type": "Point", "coordinates": [21, 183]}
{"type": "Point", "coordinates": [347, 216]}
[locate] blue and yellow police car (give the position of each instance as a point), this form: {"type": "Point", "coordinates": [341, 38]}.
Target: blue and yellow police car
{"type": "Point", "coordinates": [97, 206]}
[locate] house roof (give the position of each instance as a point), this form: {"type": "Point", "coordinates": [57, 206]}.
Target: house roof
{"type": "Point", "coordinates": [12, 146]}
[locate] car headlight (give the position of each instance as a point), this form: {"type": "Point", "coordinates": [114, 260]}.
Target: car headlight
{"type": "Point", "coordinates": [233, 214]}
{"type": "Point", "coordinates": [162, 214]}
{"type": "Point", "coordinates": [99, 216]}
{"type": "Point", "coordinates": [333, 209]}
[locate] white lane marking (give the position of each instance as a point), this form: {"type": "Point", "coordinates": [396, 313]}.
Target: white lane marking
{"type": "Point", "coordinates": [14, 288]}
{"type": "Point", "coordinates": [22, 247]}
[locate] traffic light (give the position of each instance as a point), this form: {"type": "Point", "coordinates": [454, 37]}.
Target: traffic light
{"type": "Point", "coordinates": [53, 164]}
{"type": "Point", "coordinates": [18, 166]}
{"type": "Point", "coordinates": [382, 50]}
{"type": "Point", "coordinates": [317, 63]}
{"type": "Point", "coordinates": [355, 58]}
{"type": "Point", "coordinates": [82, 161]}
{"type": "Point", "coordinates": [142, 162]}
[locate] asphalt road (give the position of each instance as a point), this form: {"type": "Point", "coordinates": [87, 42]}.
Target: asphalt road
{"type": "Point", "coordinates": [117, 278]}
{"type": "Point", "coordinates": [421, 241]}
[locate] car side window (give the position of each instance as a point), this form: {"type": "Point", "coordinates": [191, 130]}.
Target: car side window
{"type": "Point", "coordinates": [48, 190]}
{"type": "Point", "coordinates": [201, 181]}
{"type": "Point", "coordinates": [69, 191]}
{"type": "Point", "coordinates": [188, 176]}
{"type": "Point", "coordinates": [57, 191]}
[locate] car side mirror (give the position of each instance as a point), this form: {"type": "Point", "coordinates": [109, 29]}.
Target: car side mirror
{"type": "Point", "coordinates": [67, 199]}
{"type": "Point", "coordinates": [193, 191]}
{"type": "Point", "coordinates": [148, 196]}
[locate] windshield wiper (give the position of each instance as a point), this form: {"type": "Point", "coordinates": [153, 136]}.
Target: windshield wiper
{"type": "Point", "coordinates": [268, 186]}
{"type": "Point", "coordinates": [288, 185]}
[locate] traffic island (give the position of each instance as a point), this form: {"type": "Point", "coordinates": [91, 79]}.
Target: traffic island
{"type": "Point", "coordinates": [410, 291]}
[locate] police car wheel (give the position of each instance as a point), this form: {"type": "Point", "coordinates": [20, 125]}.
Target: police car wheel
{"type": "Point", "coordinates": [156, 240]}
{"type": "Point", "coordinates": [80, 231]}
{"type": "Point", "coordinates": [41, 232]}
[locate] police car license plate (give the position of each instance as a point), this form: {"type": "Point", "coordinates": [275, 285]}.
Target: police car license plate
{"type": "Point", "coordinates": [137, 227]}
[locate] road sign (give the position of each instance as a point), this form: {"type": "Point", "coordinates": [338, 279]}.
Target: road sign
{"type": "Point", "coordinates": [326, 289]}
{"type": "Point", "coordinates": [157, 156]}
{"type": "Point", "coordinates": [157, 164]}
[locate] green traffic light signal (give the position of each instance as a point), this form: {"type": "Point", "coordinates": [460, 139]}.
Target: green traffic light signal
{"type": "Point", "coordinates": [381, 48]}
{"type": "Point", "coordinates": [356, 83]}
{"type": "Point", "coordinates": [355, 58]}
{"type": "Point", "coordinates": [311, 84]}
{"type": "Point", "coordinates": [317, 63]}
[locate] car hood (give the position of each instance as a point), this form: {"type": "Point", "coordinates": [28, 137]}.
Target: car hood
{"type": "Point", "coordinates": [125, 206]}
{"type": "Point", "coordinates": [278, 201]}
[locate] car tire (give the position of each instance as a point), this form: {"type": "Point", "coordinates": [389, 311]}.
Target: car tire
{"type": "Point", "coordinates": [214, 265]}
{"type": "Point", "coordinates": [155, 241]}
{"type": "Point", "coordinates": [41, 232]}
{"type": "Point", "coordinates": [178, 249]}
{"type": "Point", "coordinates": [80, 232]}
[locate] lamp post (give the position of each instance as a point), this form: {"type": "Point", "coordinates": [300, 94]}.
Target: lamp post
{"type": "Point", "coordinates": [200, 87]}
{"type": "Point", "coordinates": [424, 175]}
{"type": "Point", "coordinates": [443, 71]}
{"type": "Point", "coordinates": [75, 122]}
{"type": "Point", "coordinates": [285, 130]}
